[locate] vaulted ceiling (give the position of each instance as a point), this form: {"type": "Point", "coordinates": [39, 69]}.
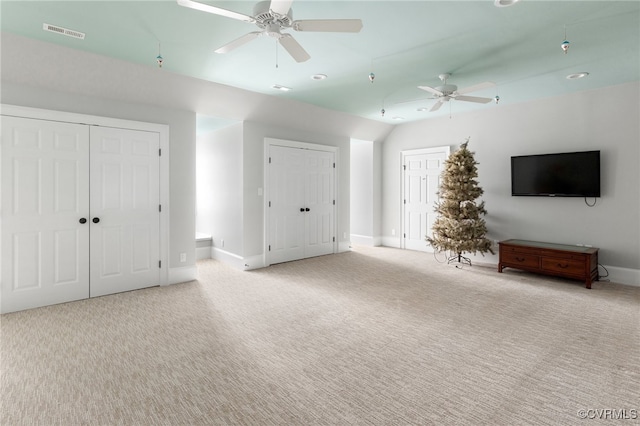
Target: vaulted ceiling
{"type": "Point", "coordinates": [405, 44]}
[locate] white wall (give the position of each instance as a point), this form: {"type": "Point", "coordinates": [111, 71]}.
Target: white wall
{"type": "Point", "coordinates": [605, 120]}
{"type": "Point", "coordinates": [219, 180]}
{"type": "Point", "coordinates": [362, 192]}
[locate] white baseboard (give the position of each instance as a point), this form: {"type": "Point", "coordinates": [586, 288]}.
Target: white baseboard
{"type": "Point", "coordinates": [344, 246]}
{"type": "Point", "coordinates": [182, 274]}
{"type": "Point", "coordinates": [203, 252]}
{"type": "Point", "coordinates": [621, 275]}
{"type": "Point", "coordinates": [391, 242]}
{"type": "Point", "coordinates": [238, 262]}
{"type": "Point", "coordinates": [365, 240]}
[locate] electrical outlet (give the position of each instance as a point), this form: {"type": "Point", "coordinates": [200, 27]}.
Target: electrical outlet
{"type": "Point", "coordinates": [183, 257]}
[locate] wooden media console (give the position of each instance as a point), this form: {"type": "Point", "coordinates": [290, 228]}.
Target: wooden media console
{"type": "Point", "coordinates": [567, 261]}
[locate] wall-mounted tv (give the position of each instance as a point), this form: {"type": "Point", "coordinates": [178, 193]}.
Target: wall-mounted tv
{"type": "Point", "coordinates": [569, 174]}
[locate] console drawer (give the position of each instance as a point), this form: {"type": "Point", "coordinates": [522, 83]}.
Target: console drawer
{"type": "Point", "coordinates": [521, 260]}
{"type": "Point", "coordinates": [564, 266]}
{"type": "Point", "coordinates": [519, 249]}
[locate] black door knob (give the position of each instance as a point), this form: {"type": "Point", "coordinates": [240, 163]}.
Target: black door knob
{"type": "Point", "coordinates": [83, 220]}
{"type": "Point", "coordinates": [307, 209]}
{"type": "Point", "coordinates": [302, 209]}
{"type": "Point", "coordinates": [96, 219]}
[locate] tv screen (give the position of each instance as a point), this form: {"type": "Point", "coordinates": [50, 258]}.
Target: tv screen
{"type": "Point", "coordinates": [570, 174]}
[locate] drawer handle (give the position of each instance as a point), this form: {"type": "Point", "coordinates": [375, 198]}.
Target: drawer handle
{"type": "Point", "coordinates": [520, 259]}
{"type": "Point", "coordinates": [565, 265]}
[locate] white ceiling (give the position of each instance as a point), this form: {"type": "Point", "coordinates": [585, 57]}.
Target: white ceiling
{"type": "Point", "coordinates": [404, 43]}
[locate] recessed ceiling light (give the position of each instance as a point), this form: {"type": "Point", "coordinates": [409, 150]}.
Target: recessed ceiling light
{"type": "Point", "coordinates": [504, 3]}
{"type": "Point", "coordinates": [319, 77]}
{"type": "Point", "coordinates": [577, 75]}
{"type": "Point", "coordinates": [397, 118]}
{"type": "Point", "coordinates": [421, 109]}
{"type": "Point", "coordinates": [279, 87]}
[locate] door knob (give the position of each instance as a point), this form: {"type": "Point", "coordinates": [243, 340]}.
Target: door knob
{"type": "Point", "coordinates": [307, 209]}
{"type": "Point", "coordinates": [302, 209]}
{"type": "Point", "coordinates": [96, 219]}
{"type": "Point", "coordinates": [83, 220]}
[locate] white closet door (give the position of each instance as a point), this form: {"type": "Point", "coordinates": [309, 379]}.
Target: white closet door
{"type": "Point", "coordinates": [287, 197]}
{"type": "Point", "coordinates": [301, 216]}
{"type": "Point", "coordinates": [319, 190]}
{"type": "Point", "coordinates": [45, 188]}
{"type": "Point", "coordinates": [125, 217]}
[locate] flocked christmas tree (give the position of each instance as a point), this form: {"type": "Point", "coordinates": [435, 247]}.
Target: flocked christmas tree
{"type": "Point", "coordinates": [459, 227]}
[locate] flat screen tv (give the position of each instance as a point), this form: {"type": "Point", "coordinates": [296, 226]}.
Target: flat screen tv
{"type": "Point", "coordinates": [569, 174]}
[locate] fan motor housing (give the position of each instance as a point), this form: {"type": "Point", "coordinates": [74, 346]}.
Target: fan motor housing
{"type": "Point", "coordinates": [265, 17]}
{"type": "Point", "coordinates": [447, 89]}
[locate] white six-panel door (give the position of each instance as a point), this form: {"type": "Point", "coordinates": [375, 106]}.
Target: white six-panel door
{"type": "Point", "coordinates": [57, 180]}
{"type": "Point", "coordinates": [125, 217]}
{"type": "Point", "coordinates": [301, 203]}
{"type": "Point", "coordinates": [421, 182]}
{"type": "Point", "coordinates": [45, 196]}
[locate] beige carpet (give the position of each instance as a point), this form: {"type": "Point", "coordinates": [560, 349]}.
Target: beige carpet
{"type": "Point", "coordinates": [377, 336]}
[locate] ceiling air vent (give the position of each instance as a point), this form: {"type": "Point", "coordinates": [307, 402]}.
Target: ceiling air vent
{"type": "Point", "coordinates": [63, 31]}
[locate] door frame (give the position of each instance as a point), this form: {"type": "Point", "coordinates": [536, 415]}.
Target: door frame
{"type": "Point", "coordinates": [268, 143]}
{"type": "Point", "coordinates": [446, 149]}
{"type": "Point", "coordinates": [92, 120]}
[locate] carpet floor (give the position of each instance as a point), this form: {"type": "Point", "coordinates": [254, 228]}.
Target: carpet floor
{"type": "Point", "coordinates": [375, 336]}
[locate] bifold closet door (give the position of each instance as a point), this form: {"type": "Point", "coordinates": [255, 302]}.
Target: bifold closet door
{"type": "Point", "coordinates": [124, 203]}
{"type": "Point", "coordinates": [45, 213]}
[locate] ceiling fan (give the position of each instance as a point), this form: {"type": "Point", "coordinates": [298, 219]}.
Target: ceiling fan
{"type": "Point", "coordinates": [272, 17]}
{"type": "Point", "coordinates": [446, 92]}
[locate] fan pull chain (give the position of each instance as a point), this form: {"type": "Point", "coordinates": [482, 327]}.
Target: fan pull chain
{"type": "Point", "coordinates": [276, 54]}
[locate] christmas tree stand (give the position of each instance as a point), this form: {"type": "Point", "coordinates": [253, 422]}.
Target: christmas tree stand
{"type": "Point", "coordinates": [460, 259]}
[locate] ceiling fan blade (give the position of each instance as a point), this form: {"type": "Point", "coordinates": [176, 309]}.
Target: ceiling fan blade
{"type": "Point", "coordinates": [431, 90]}
{"type": "Point", "coordinates": [473, 99]}
{"type": "Point", "coordinates": [436, 106]}
{"type": "Point", "coordinates": [281, 7]}
{"type": "Point", "coordinates": [293, 47]}
{"type": "Point", "coordinates": [328, 25]}
{"type": "Point", "coordinates": [238, 42]}
{"type": "Point", "coordinates": [216, 10]}
{"type": "Point", "coordinates": [475, 87]}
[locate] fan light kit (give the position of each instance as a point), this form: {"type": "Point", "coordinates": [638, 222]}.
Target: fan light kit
{"type": "Point", "coordinates": [447, 92]}
{"type": "Point", "coordinates": [319, 77]}
{"type": "Point", "coordinates": [271, 17]}
{"type": "Point", "coordinates": [577, 75]}
{"type": "Point", "coordinates": [372, 76]}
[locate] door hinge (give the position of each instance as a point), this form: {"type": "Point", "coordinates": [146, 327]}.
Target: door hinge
{"type": "Point", "coordinates": [159, 207]}
{"type": "Point", "coordinates": [269, 203]}
{"type": "Point", "coordinates": [334, 239]}
{"type": "Point", "coordinates": [269, 160]}
{"type": "Point", "coordinates": [334, 165]}
{"type": "Point", "coordinates": [404, 235]}
{"type": "Point", "coordinates": [405, 201]}
{"type": "Point", "coordinates": [160, 152]}
{"type": "Point", "coordinates": [269, 247]}
{"type": "Point", "coordinates": [334, 202]}
{"type": "Point", "coordinates": [404, 167]}
{"type": "Point", "coordinates": [159, 263]}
